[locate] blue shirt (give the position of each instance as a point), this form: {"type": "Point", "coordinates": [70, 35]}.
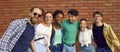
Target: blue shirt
{"type": "Point", "coordinates": [99, 37]}
{"type": "Point", "coordinates": [24, 41]}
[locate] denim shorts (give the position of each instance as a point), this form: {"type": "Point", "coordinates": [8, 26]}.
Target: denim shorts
{"type": "Point", "coordinates": [90, 48]}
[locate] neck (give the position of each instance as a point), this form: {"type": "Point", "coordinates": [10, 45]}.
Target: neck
{"type": "Point", "coordinates": [31, 23]}
{"type": "Point", "coordinates": [56, 25]}
{"type": "Point", "coordinates": [82, 30]}
{"type": "Point", "coordinates": [46, 24]}
{"type": "Point", "coordinates": [99, 23]}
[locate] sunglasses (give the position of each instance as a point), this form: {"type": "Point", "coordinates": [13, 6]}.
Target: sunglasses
{"type": "Point", "coordinates": [39, 15]}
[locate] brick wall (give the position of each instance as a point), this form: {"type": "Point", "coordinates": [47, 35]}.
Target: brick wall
{"type": "Point", "coordinates": [10, 9]}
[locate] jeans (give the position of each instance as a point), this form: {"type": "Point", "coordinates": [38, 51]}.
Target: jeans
{"type": "Point", "coordinates": [90, 48]}
{"type": "Point", "coordinates": [40, 47]}
{"type": "Point", "coordinates": [67, 48]}
{"type": "Point", "coordinates": [103, 50]}
{"type": "Point", "coordinates": [56, 48]}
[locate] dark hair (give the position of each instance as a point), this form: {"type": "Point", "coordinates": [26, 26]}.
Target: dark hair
{"type": "Point", "coordinates": [97, 12]}
{"type": "Point", "coordinates": [83, 19]}
{"type": "Point", "coordinates": [73, 12]}
{"type": "Point", "coordinates": [47, 12]}
{"type": "Point", "coordinates": [57, 12]}
{"type": "Point", "coordinates": [31, 10]}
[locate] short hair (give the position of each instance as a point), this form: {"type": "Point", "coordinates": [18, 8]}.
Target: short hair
{"type": "Point", "coordinates": [83, 19]}
{"type": "Point", "coordinates": [31, 10]}
{"type": "Point", "coordinates": [57, 12]}
{"type": "Point", "coordinates": [47, 12]}
{"type": "Point", "coordinates": [97, 12]}
{"type": "Point", "coordinates": [73, 12]}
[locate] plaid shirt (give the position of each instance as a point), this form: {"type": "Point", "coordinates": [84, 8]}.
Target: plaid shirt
{"type": "Point", "coordinates": [13, 33]}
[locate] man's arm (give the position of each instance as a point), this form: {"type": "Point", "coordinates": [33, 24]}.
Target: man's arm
{"type": "Point", "coordinates": [114, 38]}
{"type": "Point", "coordinates": [7, 35]}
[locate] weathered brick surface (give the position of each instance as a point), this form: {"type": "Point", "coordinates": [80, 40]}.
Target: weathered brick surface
{"type": "Point", "coordinates": [10, 9]}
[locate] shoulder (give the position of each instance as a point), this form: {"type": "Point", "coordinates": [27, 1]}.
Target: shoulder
{"type": "Point", "coordinates": [90, 26]}
{"type": "Point", "coordinates": [38, 25]}
{"type": "Point", "coordinates": [106, 25]}
{"type": "Point", "coordinates": [64, 22]}
{"type": "Point", "coordinates": [77, 21]}
{"type": "Point", "coordinates": [18, 21]}
{"type": "Point", "coordinates": [89, 30]}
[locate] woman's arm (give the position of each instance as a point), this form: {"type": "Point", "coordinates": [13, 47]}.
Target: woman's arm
{"type": "Point", "coordinates": [48, 49]}
{"type": "Point", "coordinates": [32, 46]}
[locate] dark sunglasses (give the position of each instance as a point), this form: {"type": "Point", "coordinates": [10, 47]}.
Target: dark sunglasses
{"type": "Point", "coordinates": [39, 15]}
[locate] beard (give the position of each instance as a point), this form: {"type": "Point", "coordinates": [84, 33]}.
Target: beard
{"type": "Point", "coordinates": [34, 20]}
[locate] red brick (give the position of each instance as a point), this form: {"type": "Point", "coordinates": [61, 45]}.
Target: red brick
{"type": "Point", "coordinates": [13, 9]}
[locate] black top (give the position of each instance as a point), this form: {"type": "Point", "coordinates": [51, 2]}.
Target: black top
{"type": "Point", "coordinates": [24, 41]}
{"type": "Point", "coordinates": [99, 36]}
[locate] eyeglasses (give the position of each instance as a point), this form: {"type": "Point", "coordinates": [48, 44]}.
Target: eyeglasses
{"type": "Point", "coordinates": [39, 15]}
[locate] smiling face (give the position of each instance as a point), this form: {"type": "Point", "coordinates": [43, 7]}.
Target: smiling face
{"type": "Point", "coordinates": [83, 25]}
{"type": "Point", "coordinates": [97, 18]}
{"type": "Point", "coordinates": [48, 18]}
{"type": "Point", "coordinates": [97, 15]}
{"type": "Point", "coordinates": [59, 18]}
{"type": "Point", "coordinates": [34, 20]}
{"type": "Point", "coordinates": [36, 13]}
{"type": "Point", "coordinates": [72, 18]}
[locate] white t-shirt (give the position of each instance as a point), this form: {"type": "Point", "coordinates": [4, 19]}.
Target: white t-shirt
{"type": "Point", "coordinates": [85, 37]}
{"type": "Point", "coordinates": [43, 31]}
